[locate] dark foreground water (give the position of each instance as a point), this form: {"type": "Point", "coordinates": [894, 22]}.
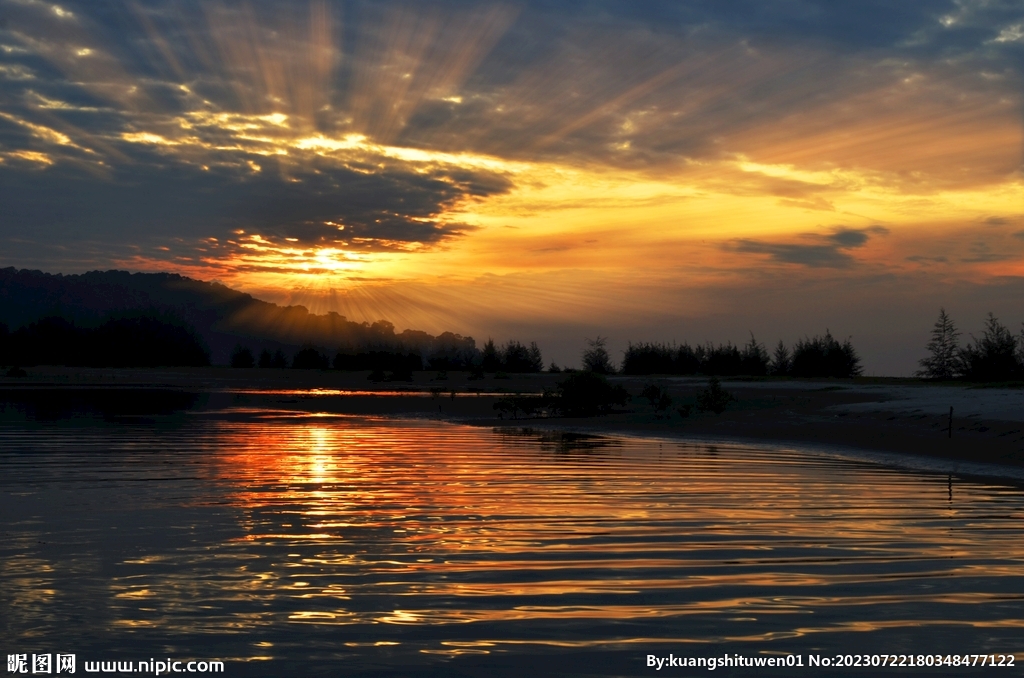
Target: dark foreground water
{"type": "Point", "coordinates": [290, 544]}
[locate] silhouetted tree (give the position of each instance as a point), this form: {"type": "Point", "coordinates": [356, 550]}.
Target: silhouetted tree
{"type": "Point", "coordinates": [994, 356]}
{"type": "Point", "coordinates": [554, 368]}
{"type": "Point", "coordinates": [781, 362]}
{"type": "Point", "coordinates": [1020, 348]}
{"type": "Point", "coordinates": [448, 351]}
{"type": "Point", "coordinates": [491, 359]}
{"type": "Point", "coordinates": [596, 358]}
{"type": "Point", "coordinates": [119, 342]}
{"type": "Point", "coordinates": [280, 360]}
{"type": "Point", "coordinates": [242, 356]}
{"type": "Point", "coordinates": [724, 359]}
{"type": "Point", "coordinates": [518, 358]}
{"type": "Point", "coordinates": [687, 360]}
{"type": "Point", "coordinates": [535, 358]}
{"type": "Point", "coordinates": [649, 358]}
{"type": "Point", "coordinates": [754, 359]}
{"type": "Point", "coordinates": [266, 359]}
{"type": "Point", "coordinates": [825, 357]}
{"type": "Point", "coordinates": [944, 359]}
{"type": "Point", "coordinates": [50, 341]}
{"type": "Point", "coordinates": [309, 358]}
{"type": "Point", "coordinates": [4, 345]}
{"type": "Point", "coordinates": [146, 342]}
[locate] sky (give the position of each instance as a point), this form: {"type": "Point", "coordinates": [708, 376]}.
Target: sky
{"type": "Point", "coordinates": [657, 171]}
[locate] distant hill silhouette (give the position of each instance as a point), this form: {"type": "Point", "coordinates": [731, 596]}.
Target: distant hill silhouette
{"type": "Point", "coordinates": [224, 318]}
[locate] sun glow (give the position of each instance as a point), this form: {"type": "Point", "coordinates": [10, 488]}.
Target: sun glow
{"type": "Point", "coordinates": [418, 172]}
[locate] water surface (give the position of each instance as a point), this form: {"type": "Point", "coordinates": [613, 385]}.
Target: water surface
{"type": "Point", "coordinates": [303, 544]}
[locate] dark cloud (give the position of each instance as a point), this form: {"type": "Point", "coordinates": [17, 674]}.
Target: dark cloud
{"type": "Point", "coordinates": [848, 238]}
{"type": "Point", "coordinates": [981, 252]}
{"type": "Point", "coordinates": [822, 251]}
{"type": "Point", "coordinates": [826, 256]}
{"type": "Point", "coordinates": [388, 207]}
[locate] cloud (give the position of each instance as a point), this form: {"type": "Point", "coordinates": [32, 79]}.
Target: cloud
{"type": "Point", "coordinates": [823, 251]}
{"type": "Point", "coordinates": [981, 252]}
{"type": "Point", "coordinates": [322, 205]}
{"type": "Point", "coordinates": [813, 203]}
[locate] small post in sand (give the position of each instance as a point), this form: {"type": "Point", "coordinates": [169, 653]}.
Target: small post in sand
{"type": "Point", "coordinates": [950, 421]}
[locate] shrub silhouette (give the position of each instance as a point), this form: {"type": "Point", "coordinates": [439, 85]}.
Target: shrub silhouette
{"type": "Point", "coordinates": [944, 360]}
{"type": "Point", "coordinates": [242, 356]}
{"type": "Point", "coordinates": [400, 375]}
{"type": "Point", "coordinates": [309, 358]}
{"type": "Point", "coordinates": [714, 398]}
{"type": "Point", "coordinates": [658, 397]}
{"type": "Point", "coordinates": [994, 356]}
{"type": "Point", "coordinates": [584, 394]}
{"type": "Point", "coordinates": [279, 360]}
{"type": "Point", "coordinates": [266, 359]}
{"type": "Point", "coordinates": [825, 357]}
{"type": "Point", "coordinates": [526, 405]}
{"type": "Point", "coordinates": [596, 358]}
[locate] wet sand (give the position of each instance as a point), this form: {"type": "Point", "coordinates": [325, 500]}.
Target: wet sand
{"type": "Point", "coordinates": [897, 416]}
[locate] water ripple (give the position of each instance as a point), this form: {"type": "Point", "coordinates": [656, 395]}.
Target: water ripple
{"type": "Point", "coordinates": [392, 543]}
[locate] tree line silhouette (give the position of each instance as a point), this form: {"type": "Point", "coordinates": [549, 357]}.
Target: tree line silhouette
{"type": "Point", "coordinates": [401, 361]}
{"type": "Point", "coordinates": [818, 356]}
{"type": "Point", "coordinates": [997, 355]}
{"type": "Point", "coordinates": [152, 340]}
{"type": "Point", "coordinates": [139, 341]}
{"type": "Point", "coordinates": [220, 315]}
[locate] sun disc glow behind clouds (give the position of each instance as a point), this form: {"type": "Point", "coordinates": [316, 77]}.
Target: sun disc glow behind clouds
{"type": "Point", "coordinates": [443, 164]}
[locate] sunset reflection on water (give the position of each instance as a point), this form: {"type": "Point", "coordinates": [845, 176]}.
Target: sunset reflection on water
{"type": "Point", "coordinates": [379, 543]}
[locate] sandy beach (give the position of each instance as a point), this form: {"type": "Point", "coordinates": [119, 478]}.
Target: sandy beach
{"type": "Point", "coordinates": [891, 416]}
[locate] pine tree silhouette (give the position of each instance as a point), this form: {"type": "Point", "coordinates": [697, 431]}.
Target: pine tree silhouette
{"type": "Point", "coordinates": [944, 359]}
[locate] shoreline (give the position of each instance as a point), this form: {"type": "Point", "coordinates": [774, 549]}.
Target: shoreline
{"type": "Point", "coordinates": [891, 419]}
